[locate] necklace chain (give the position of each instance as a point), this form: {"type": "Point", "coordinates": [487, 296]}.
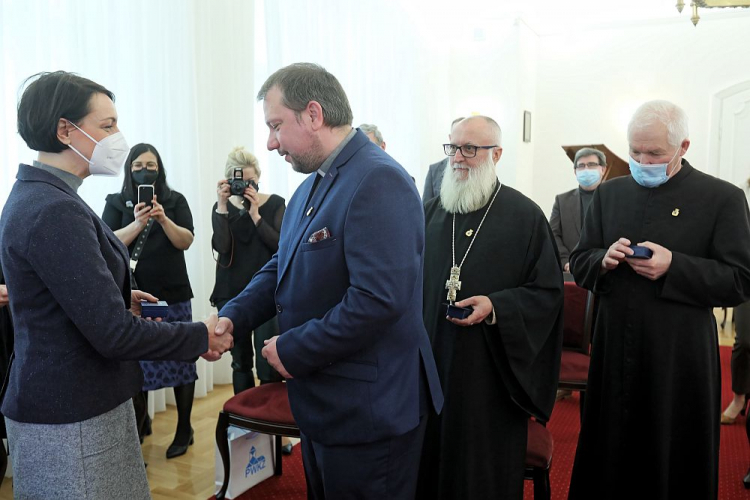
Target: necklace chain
{"type": "Point", "coordinates": [476, 233]}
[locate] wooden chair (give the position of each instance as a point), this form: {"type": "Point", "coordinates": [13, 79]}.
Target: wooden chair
{"type": "Point", "coordinates": [578, 319]}
{"type": "Point", "coordinates": [263, 409]}
{"type": "Point", "coordinates": [539, 448]}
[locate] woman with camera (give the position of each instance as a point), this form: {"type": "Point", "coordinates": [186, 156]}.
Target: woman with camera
{"type": "Point", "coordinates": [246, 227]}
{"type": "Point", "coordinates": [157, 231]}
{"type": "Point", "coordinates": [67, 407]}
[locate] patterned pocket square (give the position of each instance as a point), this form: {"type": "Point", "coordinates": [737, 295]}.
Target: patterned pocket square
{"type": "Point", "coordinates": [320, 235]}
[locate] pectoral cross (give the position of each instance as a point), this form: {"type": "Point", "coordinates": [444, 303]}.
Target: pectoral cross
{"type": "Point", "coordinates": [453, 285]}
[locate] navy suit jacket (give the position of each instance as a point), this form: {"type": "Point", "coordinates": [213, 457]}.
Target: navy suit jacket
{"type": "Point", "coordinates": [76, 344]}
{"type": "Point", "coordinates": [350, 306]}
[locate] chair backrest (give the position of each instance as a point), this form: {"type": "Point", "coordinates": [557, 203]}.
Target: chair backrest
{"type": "Point", "coordinates": [578, 318]}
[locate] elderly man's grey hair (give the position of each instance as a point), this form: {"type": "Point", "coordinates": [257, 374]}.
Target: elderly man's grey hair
{"type": "Point", "coordinates": [369, 128]}
{"type": "Point", "coordinates": [496, 131]}
{"type": "Point", "coordinates": [671, 115]}
{"type": "Point", "coordinates": [588, 152]}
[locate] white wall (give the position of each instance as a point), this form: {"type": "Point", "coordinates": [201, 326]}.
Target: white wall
{"type": "Point", "coordinates": [590, 81]}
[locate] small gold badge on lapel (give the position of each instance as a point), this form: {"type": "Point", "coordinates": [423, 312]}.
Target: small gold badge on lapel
{"type": "Point", "coordinates": [675, 212]}
{"type": "Point", "coordinates": [309, 211]}
{"type": "Point", "coordinates": [469, 232]}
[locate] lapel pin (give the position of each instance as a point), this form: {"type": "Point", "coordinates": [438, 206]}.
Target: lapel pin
{"type": "Point", "coordinates": [675, 212]}
{"type": "Point", "coordinates": [309, 211]}
{"type": "Point", "coordinates": [469, 232]}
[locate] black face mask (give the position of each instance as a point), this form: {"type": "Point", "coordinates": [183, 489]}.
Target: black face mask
{"type": "Point", "coordinates": [145, 176]}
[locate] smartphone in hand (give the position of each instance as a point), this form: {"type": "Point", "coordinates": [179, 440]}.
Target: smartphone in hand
{"type": "Point", "coordinates": [146, 194]}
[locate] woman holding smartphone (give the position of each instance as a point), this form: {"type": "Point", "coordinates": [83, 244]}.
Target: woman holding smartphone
{"type": "Point", "coordinates": [160, 268]}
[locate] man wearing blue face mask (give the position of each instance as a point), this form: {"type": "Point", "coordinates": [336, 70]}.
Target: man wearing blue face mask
{"type": "Point", "coordinates": [570, 207]}
{"type": "Point", "coordinates": [650, 426]}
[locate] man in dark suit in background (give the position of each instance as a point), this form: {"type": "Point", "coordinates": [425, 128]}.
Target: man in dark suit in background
{"type": "Point", "coordinates": [570, 207]}
{"type": "Point", "coordinates": [435, 174]}
{"type": "Point", "coordinates": [346, 286]}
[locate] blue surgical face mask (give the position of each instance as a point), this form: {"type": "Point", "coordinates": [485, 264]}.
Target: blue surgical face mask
{"type": "Point", "coordinates": [588, 178]}
{"type": "Point", "coordinates": [650, 176]}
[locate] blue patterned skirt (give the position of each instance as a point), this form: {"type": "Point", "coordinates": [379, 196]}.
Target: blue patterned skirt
{"type": "Point", "coordinates": [160, 374]}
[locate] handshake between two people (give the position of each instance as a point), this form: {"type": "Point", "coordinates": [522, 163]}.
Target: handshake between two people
{"type": "Point", "coordinates": [218, 342]}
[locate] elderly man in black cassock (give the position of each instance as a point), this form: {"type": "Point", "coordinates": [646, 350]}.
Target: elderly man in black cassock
{"type": "Point", "coordinates": [490, 251]}
{"type": "Point", "coordinates": [650, 427]}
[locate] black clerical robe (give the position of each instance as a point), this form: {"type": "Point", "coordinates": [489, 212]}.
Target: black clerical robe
{"type": "Point", "coordinates": [493, 376]}
{"type": "Point", "coordinates": [650, 427]}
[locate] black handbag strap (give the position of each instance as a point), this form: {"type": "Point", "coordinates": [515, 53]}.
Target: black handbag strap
{"type": "Point", "coordinates": [139, 244]}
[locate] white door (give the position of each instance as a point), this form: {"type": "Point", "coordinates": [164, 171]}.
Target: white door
{"type": "Point", "coordinates": [731, 138]}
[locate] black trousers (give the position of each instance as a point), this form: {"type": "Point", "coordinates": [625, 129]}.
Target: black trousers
{"type": "Point", "coordinates": [385, 469]}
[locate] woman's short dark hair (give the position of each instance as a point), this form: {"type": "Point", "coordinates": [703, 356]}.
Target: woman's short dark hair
{"type": "Point", "coordinates": [49, 97]}
{"type": "Point", "coordinates": [129, 187]}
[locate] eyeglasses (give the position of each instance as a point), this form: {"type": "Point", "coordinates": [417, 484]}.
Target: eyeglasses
{"type": "Point", "coordinates": [467, 150]}
{"type": "Point", "coordinates": [581, 166]}
{"type": "Point", "coordinates": [149, 166]}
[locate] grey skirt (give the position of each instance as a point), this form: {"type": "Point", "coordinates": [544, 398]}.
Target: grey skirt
{"type": "Point", "coordinates": [99, 458]}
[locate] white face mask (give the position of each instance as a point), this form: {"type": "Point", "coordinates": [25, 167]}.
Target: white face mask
{"type": "Point", "coordinates": [109, 154]}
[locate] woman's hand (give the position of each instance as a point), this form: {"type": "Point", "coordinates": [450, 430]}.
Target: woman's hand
{"type": "Point", "coordinates": [158, 212]}
{"type": "Point", "coordinates": [136, 296]}
{"type": "Point", "coordinates": [180, 237]}
{"type": "Point", "coordinates": [141, 212]}
{"type": "Point", "coordinates": [222, 194]}
{"type": "Point", "coordinates": [251, 195]}
{"type": "Point", "coordinates": [3, 296]}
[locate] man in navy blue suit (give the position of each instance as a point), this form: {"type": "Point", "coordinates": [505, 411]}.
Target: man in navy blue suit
{"type": "Point", "coordinates": [346, 286]}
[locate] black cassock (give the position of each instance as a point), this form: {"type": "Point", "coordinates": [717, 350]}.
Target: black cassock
{"type": "Point", "coordinates": [493, 377]}
{"type": "Point", "coordinates": [651, 422]}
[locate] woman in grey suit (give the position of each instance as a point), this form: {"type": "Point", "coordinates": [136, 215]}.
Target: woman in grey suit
{"type": "Point", "coordinates": [78, 337]}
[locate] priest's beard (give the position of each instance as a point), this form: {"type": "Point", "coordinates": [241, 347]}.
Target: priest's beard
{"type": "Point", "coordinates": [468, 195]}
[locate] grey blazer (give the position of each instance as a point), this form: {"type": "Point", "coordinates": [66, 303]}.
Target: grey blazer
{"type": "Point", "coordinates": [434, 179]}
{"type": "Point", "coordinates": [566, 222]}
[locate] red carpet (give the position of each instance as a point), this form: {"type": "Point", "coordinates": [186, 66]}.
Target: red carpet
{"type": "Point", "coordinates": [564, 426]}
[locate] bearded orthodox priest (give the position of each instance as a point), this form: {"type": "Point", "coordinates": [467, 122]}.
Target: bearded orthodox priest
{"type": "Point", "coordinates": [489, 254]}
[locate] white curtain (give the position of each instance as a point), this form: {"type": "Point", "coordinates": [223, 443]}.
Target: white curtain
{"type": "Point", "coordinates": [182, 74]}
{"type": "Point", "coordinates": [376, 50]}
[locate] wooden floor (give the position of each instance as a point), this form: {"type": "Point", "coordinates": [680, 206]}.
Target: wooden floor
{"type": "Point", "coordinates": [191, 476]}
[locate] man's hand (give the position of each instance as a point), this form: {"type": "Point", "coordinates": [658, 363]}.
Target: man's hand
{"type": "Point", "coordinates": [3, 295]}
{"type": "Point", "coordinates": [272, 356]}
{"type": "Point", "coordinates": [616, 253]}
{"type": "Point", "coordinates": [655, 267]}
{"type": "Point", "coordinates": [136, 296]}
{"type": "Point", "coordinates": [218, 344]}
{"type": "Point", "coordinates": [482, 308]}
{"type": "Point", "coordinates": [224, 325]}
{"type": "Point", "coordinates": [566, 267]}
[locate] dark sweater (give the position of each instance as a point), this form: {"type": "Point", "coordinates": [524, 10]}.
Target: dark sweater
{"type": "Point", "coordinates": [244, 245]}
{"type": "Point", "coordinates": [76, 344]}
